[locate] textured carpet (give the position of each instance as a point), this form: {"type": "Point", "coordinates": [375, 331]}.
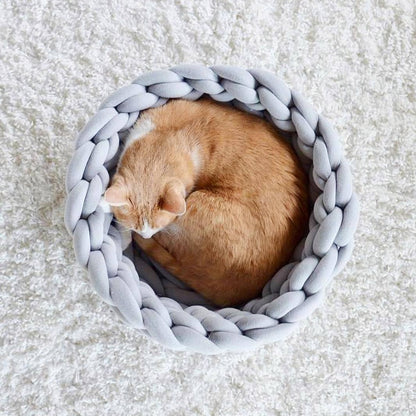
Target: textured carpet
{"type": "Point", "coordinates": [62, 351]}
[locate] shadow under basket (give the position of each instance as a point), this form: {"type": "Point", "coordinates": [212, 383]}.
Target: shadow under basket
{"type": "Point", "coordinates": [147, 297]}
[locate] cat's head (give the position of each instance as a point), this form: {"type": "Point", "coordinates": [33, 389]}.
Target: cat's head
{"type": "Point", "coordinates": [146, 209]}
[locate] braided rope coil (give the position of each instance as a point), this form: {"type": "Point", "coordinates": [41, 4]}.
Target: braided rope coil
{"type": "Point", "coordinates": [149, 299]}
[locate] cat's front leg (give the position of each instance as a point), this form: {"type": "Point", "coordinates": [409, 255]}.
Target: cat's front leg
{"type": "Point", "coordinates": [153, 249]}
{"type": "Point", "coordinates": [146, 244]}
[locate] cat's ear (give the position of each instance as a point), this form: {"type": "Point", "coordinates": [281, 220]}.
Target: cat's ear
{"type": "Point", "coordinates": [173, 199]}
{"type": "Point", "coordinates": [116, 195]}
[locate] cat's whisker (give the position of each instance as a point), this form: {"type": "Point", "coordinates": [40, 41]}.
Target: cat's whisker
{"type": "Point", "coordinates": [118, 222]}
{"type": "Point", "coordinates": [122, 227]}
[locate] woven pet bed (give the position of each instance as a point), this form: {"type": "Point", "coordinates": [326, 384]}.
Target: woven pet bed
{"type": "Point", "coordinates": [154, 302]}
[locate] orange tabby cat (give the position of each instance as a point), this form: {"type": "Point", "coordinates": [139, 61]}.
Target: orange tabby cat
{"type": "Point", "coordinates": [213, 194]}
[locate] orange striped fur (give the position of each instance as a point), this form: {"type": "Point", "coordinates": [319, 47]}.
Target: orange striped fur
{"type": "Point", "coordinates": [217, 195]}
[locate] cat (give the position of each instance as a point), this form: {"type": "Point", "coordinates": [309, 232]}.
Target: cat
{"type": "Point", "coordinates": [213, 194]}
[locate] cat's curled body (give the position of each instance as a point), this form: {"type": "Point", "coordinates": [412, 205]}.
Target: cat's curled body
{"type": "Point", "coordinates": [215, 195]}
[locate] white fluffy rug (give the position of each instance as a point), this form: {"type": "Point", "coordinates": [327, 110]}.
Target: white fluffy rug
{"type": "Point", "coordinates": [62, 351]}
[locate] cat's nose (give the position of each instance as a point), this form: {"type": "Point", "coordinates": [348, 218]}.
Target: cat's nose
{"type": "Point", "coordinates": [147, 231]}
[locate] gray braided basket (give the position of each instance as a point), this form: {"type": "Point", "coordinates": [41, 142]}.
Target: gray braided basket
{"type": "Point", "coordinates": [154, 302]}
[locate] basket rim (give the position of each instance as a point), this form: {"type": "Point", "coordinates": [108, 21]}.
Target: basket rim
{"type": "Point", "coordinates": [294, 292]}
